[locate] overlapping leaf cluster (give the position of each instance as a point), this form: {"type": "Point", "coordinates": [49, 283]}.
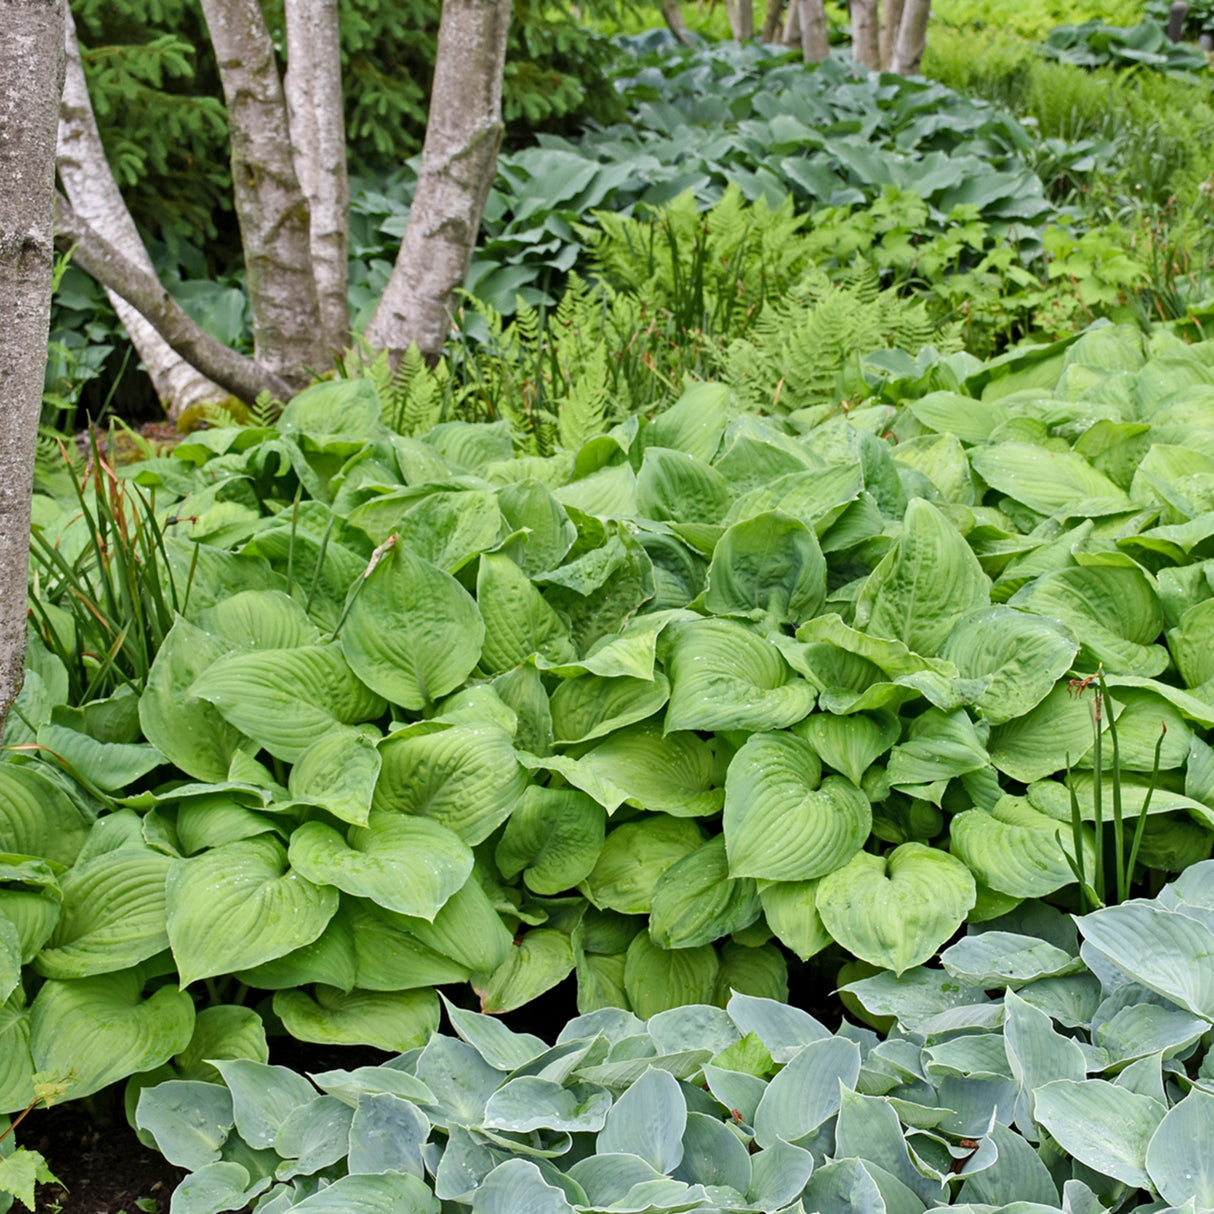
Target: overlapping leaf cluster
{"type": "Point", "coordinates": [649, 711]}
{"type": "Point", "coordinates": [1031, 1072]}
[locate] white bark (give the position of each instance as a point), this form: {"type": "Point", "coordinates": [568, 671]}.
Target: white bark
{"type": "Point", "coordinates": [865, 43]}
{"type": "Point", "coordinates": [318, 140]}
{"type": "Point", "coordinates": [891, 19]}
{"type": "Point", "coordinates": [741, 15]}
{"type": "Point", "coordinates": [238, 375]}
{"type": "Point", "coordinates": [94, 194]}
{"type": "Point", "coordinates": [31, 79]}
{"type": "Point", "coordinates": [912, 38]}
{"type": "Point", "coordinates": [815, 42]}
{"type": "Point", "coordinates": [792, 25]}
{"type": "Point", "coordinates": [270, 206]}
{"type": "Point", "coordinates": [674, 21]}
{"type": "Point", "coordinates": [771, 24]}
{"type": "Point", "coordinates": [459, 160]}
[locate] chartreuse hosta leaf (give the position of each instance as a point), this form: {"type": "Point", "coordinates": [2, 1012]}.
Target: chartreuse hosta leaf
{"type": "Point", "coordinates": [543, 532]}
{"type": "Point", "coordinates": [465, 777]}
{"type": "Point", "coordinates": [239, 905]}
{"type": "Point", "coordinates": [389, 1020]}
{"type": "Point", "coordinates": [927, 581]}
{"type": "Point", "coordinates": [101, 1029]}
{"type": "Point", "coordinates": [190, 732]}
{"type": "Point", "coordinates": [16, 1064]}
{"type": "Point", "coordinates": [468, 930]}
{"type": "Point", "coordinates": [1016, 849]}
{"type": "Point", "coordinates": [895, 911]}
{"type": "Point", "coordinates": [632, 859]}
{"type": "Point", "coordinates": [36, 817]}
{"type": "Point", "coordinates": [553, 839]}
{"type": "Point", "coordinates": [657, 979]}
{"type": "Point", "coordinates": [259, 619]}
{"type": "Point", "coordinates": [767, 567]}
{"type": "Point", "coordinates": [413, 633]}
{"type": "Point", "coordinates": [535, 964]}
{"type": "Point", "coordinates": [675, 486]}
{"type": "Point", "coordinates": [850, 744]}
{"type": "Point", "coordinates": [286, 698]}
{"type": "Point", "coordinates": [386, 956]}
{"type": "Point", "coordinates": [591, 706]}
{"type": "Point", "coordinates": [518, 620]}
{"type": "Point", "coordinates": [449, 529]}
{"type": "Point", "coordinates": [1029, 747]}
{"type": "Point", "coordinates": [1049, 482]}
{"type": "Point", "coordinates": [1020, 656]}
{"type": "Point", "coordinates": [724, 676]}
{"type": "Point", "coordinates": [696, 902]}
{"type": "Point", "coordinates": [791, 911]}
{"type": "Point", "coordinates": [404, 863]}
{"type": "Point", "coordinates": [783, 822]}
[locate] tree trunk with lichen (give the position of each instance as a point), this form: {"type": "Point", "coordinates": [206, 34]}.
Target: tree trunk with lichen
{"type": "Point", "coordinates": [741, 15]}
{"type": "Point", "coordinates": [270, 205]}
{"type": "Point", "coordinates": [865, 34]}
{"type": "Point", "coordinates": [95, 197]}
{"type": "Point", "coordinates": [811, 20]}
{"type": "Point", "coordinates": [912, 38]}
{"type": "Point", "coordinates": [459, 161]}
{"type": "Point", "coordinates": [891, 19]}
{"type": "Point", "coordinates": [31, 80]}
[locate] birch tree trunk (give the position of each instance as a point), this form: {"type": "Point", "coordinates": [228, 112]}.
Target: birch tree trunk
{"type": "Point", "coordinates": [741, 15]}
{"type": "Point", "coordinates": [31, 81]}
{"type": "Point", "coordinates": [815, 42]}
{"type": "Point", "coordinates": [318, 141]}
{"type": "Point", "coordinates": [891, 19]}
{"type": "Point", "coordinates": [94, 194]}
{"type": "Point", "coordinates": [270, 206]}
{"type": "Point", "coordinates": [865, 37]}
{"type": "Point", "coordinates": [236, 374]}
{"type": "Point", "coordinates": [912, 38]}
{"type": "Point", "coordinates": [674, 21]}
{"type": "Point", "coordinates": [459, 160]}
{"type": "Point", "coordinates": [771, 24]}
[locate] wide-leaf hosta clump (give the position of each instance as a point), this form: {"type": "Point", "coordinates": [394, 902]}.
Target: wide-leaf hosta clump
{"type": "Point", "coordinates": [713, 689]}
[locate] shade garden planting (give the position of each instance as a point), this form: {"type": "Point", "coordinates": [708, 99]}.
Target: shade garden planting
{"type": "Point", "coordinates": [780, 648]}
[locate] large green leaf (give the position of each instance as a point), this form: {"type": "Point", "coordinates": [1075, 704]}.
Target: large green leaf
{"type": "Point", "coordinates": [1039, 743]}
{"type": "Point", "coordinates": [465, 777]}
{"type": "Point", "coordinates": [1021, 657]}
{"type": "Point", "coordinates": [767, 567]}
{"type": "Point", "coordinates": [543, 530]}
{"type": "Point", "coordinates": [1178, 1159]}
{"type": "Point", "coordinates": [338, 772]}
{"type": "Point", "coordinates": [895, 911]}
{"type": "Point", "coordinates": [239, 905]}
{"type": "Point", "coordinates": [259, 619]}
{"type": "Point", "coordinates": [188, 731]}
{"type": "Point", "coordinates": [781, 821]}
{"type": "Point", "coordinates": [388, 1020]}
{"type": "Point", "coordinates": [404, 863]}
{"type": "Point", "coordinates": [16, 1064]}
{"type": "Point", "coordinates": [518, 620]}
{"type": "Point", "coordinates": [693, 424]}
{"type": "Point", "coordinates": [724, 676]}
{"type": "Point", "coordinates": [675, 486]}
{"type": "Point", "coordinates": [286, 698]}
{"type": "Point", "coordinates": [807, 1091]}
{"type": "Point", "coordinates": [413, 633]}
{"type": "Point", "coordinates": [95, 1031]}
{"type": "Point", "coordinates": [696, 902]}
{"type": "Point", "coordinates": [634, 856]}
{"type": "Point", "coordinates": [468, 930]}
{"type": "Point", "coordinates": [449, 529]}
{"type": "Point", "coordinates": [927, 581]}
{"type": "Point", "coordinates": [36, 817]}
{"type": "Point", "coordinates": [590, 706]}
{"type": "Point", "coordinates": [657, 979]}
{"type": "Point", "coordinates": [850, 744]}
{"type": "Point", "coordinates": [535, 964]}
{"type": "Point", "coordinates": [553, 839]}
{"type": "Point", "coordinates": [113, 915]}
{"type": "Point", "coordinates": [385, 956]}
{"type": "Point", "coordinates": [1049, 482]}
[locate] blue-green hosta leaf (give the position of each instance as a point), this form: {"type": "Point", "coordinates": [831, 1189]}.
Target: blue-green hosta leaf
{"type": "Point", "coordinates": [676, 487]}
{"type": "Point", "coordinates": [390, 1193]}
{"type": "Point", "coordinates": [189, 1120]}
{"type": "Point", "coordinates": [238, 905]}
{"type": "Point", "coordinates": [657, 979]}
{"type": "Point", "coordinates": [1022, 657]}
{"type": "Point", "coordinates": [386, 1135]}
{"type": "Point", "coordinates": [807, 1091]}
{"type": "Point", "coordinates": [779, 822]}
{"type": "Point", "coordinates": [851, 744]}
{"type": "Point", "coordinates": [895, 911]}
{"type": "Point", "coordinates": [868, 1128]}
{"type": "Point", "coordinates": [407, 864]}
{"type": "Point", "coordinates": [1015, 849]}
{"type": "Point", "coordinates": [465, 777]}
{"type": "Point", "coordinates": [696, 902]}
{"type": "Point", "coordinates": [540, 959]}
{"type": "Point", "coordinates": [36, 817]}
{"type": "Point", "coordinates": [916, 996]}
{"type": "Point", "coordinates": [188, 731]}
{"type": "Point", "coordinates": [98, 1030]}
{"type": "Point", "coordinates": [113, 915]}
{"type": "Point", "coordinates": [1165, 951]}
{"type": "Point", "coordinates": [713, 1155]}
{"type": "Point", "coordinates": [767, 567]}
{"type": "Point", "coordinates": [1114, 612]}
{"type": "Point", "coordinates": [791, 911]}
{"type": "Point", "coordinates": [634, 857]}
{"type": "Point", "coordinates": [994, 959]}
{"type": "Point", "coordinates": [496, 1044]}
{"type": "Point", "coordinates": [647, 1121]}
{"type": "Point", "coordinates": [414, 633]}
{"type": "Point", "coordinates": [591, 706]}
{"type": "Point", "coordinates": [1106, 1127]}
{"type": "Point", "coordinates": [778, 1174]}
{"type": "Point", "coordinates": [673, 773]}
{"type": "Point", "coordinates": [784, 1030]}
{"type": "Point", "coordinates": [529, 1103]}
{"type": "Point", "coordinates": [724, 676]}
{"type": "Point", "coordinates": [518, 620]}
{"type": "Point", "coordinates": [927, 581]}
{"type": "Point", "coordinates": [338, 773]}
{"type": "Point", "coordinates": [218, 1186]}
{"type": "Point", "coordinates": [263, 1097]}
{"type": "Point", "coordinates": [388, 1020]}
{"type": "Point", "coordinates": [1036, 1053]}
{"type": "Point", "coordinates": [1049, 482]}
{"type": "Point", "coordinates": [553, 839]}
{"type": "Point", "coordinates": [259, 619]}
{"type": "Point", "coordinates": [286, 698]}
{"type": "Point", "coordinates": [518, 1184]}
{"type": "Point", "coordinates": [1018, 1175]}
{"type": "Point", "coordinates": [1145, 1028]}
{"type": "Point", "coordinates": [1178, 1158]}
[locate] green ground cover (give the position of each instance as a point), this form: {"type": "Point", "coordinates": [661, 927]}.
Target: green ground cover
{"type": "Point", "coordinates": [796, 575]}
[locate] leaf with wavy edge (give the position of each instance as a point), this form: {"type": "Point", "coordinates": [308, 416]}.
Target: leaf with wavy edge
{"type": "Point", "coordinates": [388, 1020]}
{"type": "Point", "coordinates": [36, 817]}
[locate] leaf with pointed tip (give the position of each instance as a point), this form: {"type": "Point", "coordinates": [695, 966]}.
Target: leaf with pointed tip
{"type": "Point", "coordinates": [534, 965]}
{"type": "Point", "coordinates": [553, 839]}
{"type": "Point", "coordinates": [591, 706]}
{"type": "Point", "coordinates": [388, 1020]}
{"type": "Point", "coordinates": [695, 901]}
{"type": "Point", "coordinates": [36, 817]}
{"type": "Point", "coordinates": [189, 1120]}
{"type": "Point", "coordinates": [807, 1091]}
{"type": "Point", "coordinates": [850, 744]}
{"type": "Point", "coordinates": [656, 979]}
{"type": "Point", "coordinates": [647, 1121]}
{"type": "Point", "coordinates": [791, 911]}
{"type": "Point", "coordinates": [338, 772]}
{"type": "Point", "coordinates": [518, 621]}
{"type": "Point", "coordinates": [633, 858]}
